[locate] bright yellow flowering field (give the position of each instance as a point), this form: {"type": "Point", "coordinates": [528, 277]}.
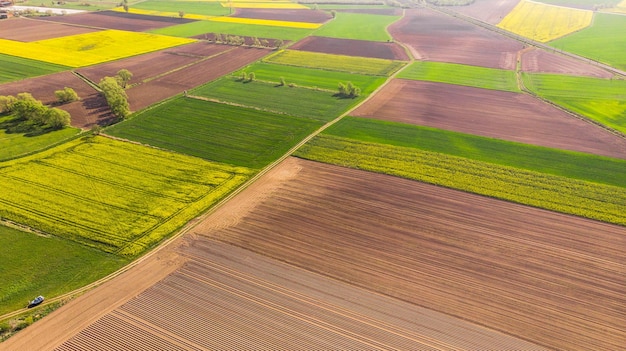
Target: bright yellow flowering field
{"type": "Point", "coordinates": [90, 48]}
{"type": "Point", "coordinates": [543, 22]}
{"type": "Point", "coordinates": [264, 22]}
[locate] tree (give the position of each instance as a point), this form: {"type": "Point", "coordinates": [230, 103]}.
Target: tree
{"type": "Point", "coordinates": [333, 13]}
{"type": "Point", "coordinates": [256, 42]}
{"type": "Point", "coordinates": [243, 77]}
{"type": "Point", "coordinates": [125, 5]}
{"type": "Point", "coordinates": [348, 90]}
{"type": "Point", "coordinates": [66, 95]}
{"type": "Point", "coordinates": [6, 103]}
{"type": "Point", "coordinates": [56, 118]}
{"type": "Point", "coordinates": [123, 76]}
{"type": "Point", "coordinates": [115, 96]}
{"type": "Point", "coordinates": [251, 77]}
{"type": "Point", "coordinates": [181, 14]}
{"type": "Point", "coordinates": [27, 108]}
{"type": "Point", "coordinates": [282, 82]}
{"type": "Point", "coordinates": [278, 43]}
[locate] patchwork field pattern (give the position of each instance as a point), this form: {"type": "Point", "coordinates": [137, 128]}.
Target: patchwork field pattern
{"type": "Point", "coordinates": [119, 20]}
{"type": "Point", "coordinates": [15, 68]}
{"type": "Point", "coordinates": [263, 5]}
{"type": "Point", "coordinates": [171, 8]}
{"type": "Point", "coordinates": [266, 22]}
{"type": "Point", "coordinates": [543, 22]}
{"type": "Point", "coordinates": [114, 196]}
{"type": "Point", "coordinates": [358, 26]}
{"type": "Point", "coordinates": [242, 29]}
{"type": "Point", "coordinates": [23, 29]}
{"type": "Point", "coordinates": [296, 15]}
{"type": "Point", "coordinates": [541, 61]}
{"type": "Point", "coordinates": [351, 47]}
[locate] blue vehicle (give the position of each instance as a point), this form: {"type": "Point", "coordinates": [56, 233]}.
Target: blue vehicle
{"type": "Point", "coordinates": [38, 300]}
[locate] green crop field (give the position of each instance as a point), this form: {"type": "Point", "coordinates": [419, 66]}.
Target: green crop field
{"type": "Point", "coordinates": [34, 265]}
{"type": "Point", "coordinates": [604, 41]}
{"type": "Point", "coordinates": [351, 64]}
{"type": "Point", "coordinates": [602, 100]}
{"type": "Point", "coordinates": [319, 105]}
{"type": "Point", "coordinates": [557, 162]}
{"type": "Point", "coordinates": [566, 195]}
{"type": "Point", "coordinates": [218, 132]}
{"type": "Point", "coordinates": [309, 77]}
{"type": "Point", "coordinates": [195, 7]}
{"type": "Point", "coordinates": [358, 26]}
{"type": "Point", "coordinates": [85, 5]}
{"type": "Point", "coordinates": [250, 30]}
{"type": "Point", "coordinates": [15, 68]}
{"type": "Point", "coordinates": [118, 197]}
{"type": "Point", "coordinates": [471, 76]}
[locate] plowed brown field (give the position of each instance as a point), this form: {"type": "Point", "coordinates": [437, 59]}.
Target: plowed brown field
{"type": "Point", "coordinates": [490, 11]}
{"type": "Point", "coordinates": [536, 60]}
{"type": "Point", "coordinates": [371, 11]}
{"type": "Point", "coordinates": [118, 20]}
{"type": "Point", "coordinates": [25, 29]}
{"type": "Point", "coordinates": [362, 48]}
{"type": "Point", "coordinates": [292, 15]}
{"type": "Point", "coordinates": [497, 114]}
{"type": "Point", "coordinates": [433, 36]}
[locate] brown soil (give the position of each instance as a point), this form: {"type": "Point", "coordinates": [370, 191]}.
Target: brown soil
{"type": "Point", "coordinates": [91, 110]}
{"type": "Point", "coordinates": [537, 60]}
{"type": "Point", "coordinates": [26, 30]}
{"type": "Point", "coordinates": [177, 82]}
{"type": "Point", "coordinates": [118, 20]}
{"type": "Point", "coordinates": [436, 37]}
{"type": "Point", "coordinates": [293, 15]}
{"type": "Point", "coordinates": [43, 88]}
{"type": "Point", "coordinates": [349, 47]}
{"type": "Point", "coordinates": [248, 41]}
{"type": "Point", "coordinates": [497, 114]}
{"type": "Point", "coordinates": [384, 12]}
{"type": "Point", "coordinates": [490, 11]}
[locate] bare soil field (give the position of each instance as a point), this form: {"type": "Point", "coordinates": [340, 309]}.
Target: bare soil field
{"type": "Point", "coordinates": [541, 61]}
{"type": "Point", "coordinates": [292, 15]}
{"type": "Point", "coordinates": [43, 87]}
{"type": "Point", "coordinates": [118, 20]}
{"type": "Point", "coordinates": [91, 110]}
{"type": "Point", "coordinates": [497, 114]}
{"type": "Point", "coordinates": [27, 30]}
{"type": "Point", "coordinates": [177, 82]}
{"type": "Point", "coordinates": [156, 63]}
{"type": "Point", "coordinates": [349, 47]}
{"type": "Point", "coordinates": [490, 11]}
{"type": "Point", "coordinates": [548, 278]}
{"type": "Point", "coordinates": [384, 12]}
{"type": "Point", "coordinates": [433, 36]}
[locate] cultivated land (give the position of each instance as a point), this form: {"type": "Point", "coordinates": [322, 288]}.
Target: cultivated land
{"type": "Point", "coordinates": [540, 61]}
{"type": "Point", "coordinates": [188, 7]}
{"type": "Point", "coordinates": [351, 47]}
{"type": "Point", "coordinates": [295, 15]}
{"type": "Point", "coordinates": [43, 88]}
{"type": "Point", "coordinates": [433, 36]}
{"type": "Point", "coordinates": [250, 30]}
{"type": "Point", "coordinates": [358, 26]}
{"type": "Point", "coordinates": [218, 132]}
{"type": "Point", "coordinates": [603, 41]}
{"type": "Point", "coordinates": [24, 29]}
{"type": "Point", "coordinates": [119, 20]}
{"type": "Point", "coordinates": [472, 76]}
{"type": "Point", "coordinates": [17, 144]}
{"type": "Point", "coordinates": [490, 11]}
{"type": "Point", "coordinates": [14, 68]}
{"type": "Point", "coordinates": [497, 114]}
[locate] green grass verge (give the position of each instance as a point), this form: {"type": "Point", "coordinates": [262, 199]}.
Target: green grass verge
{"type": "Point", "coordinates": [50, 266]}
{"type": "Point", "coordinates": [358, 26]}
{"type": "Point", "coordinates": [592, 200]}
{"type": "Point", "coordinates": [309, 77]}
{"type": "Point", "coordinates": [13, 145]}
{"type": "Point", "coordinates": [320, 105]}
{"type": "Point", "coordinates": [471, 76]}
{"type": "Point", "coordinates": [601, 100]}
{"type": "Point", "coordinates": [189, 7]}
{"type": "Point", "coordinates": [85, 5]}
{"type": "Point", "coordinates": [14, 68]}
{"type": "Point", "coordinates": [115, 196]}
{"type": "Point", "coordinates": [557, 162]}
{"type": "Point", "coordinates": [604, 41]}
{"type": "Point", "coordinates": [251, 30]}
{"type": "Point", "coordinates": [350, 64]}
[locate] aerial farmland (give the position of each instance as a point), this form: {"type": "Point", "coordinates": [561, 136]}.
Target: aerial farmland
{"type": "Point", "coordinates": [302, 175]}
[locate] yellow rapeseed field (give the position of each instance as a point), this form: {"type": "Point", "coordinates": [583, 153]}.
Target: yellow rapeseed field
{"type": "Point", "coordinates": [543, 22]}
{"type": "Point", "coordinates": [264, 5]}
{"type": "Point", "coordinates": [90, 48]}
{"type": "Point", "coordinates": [264, 22]}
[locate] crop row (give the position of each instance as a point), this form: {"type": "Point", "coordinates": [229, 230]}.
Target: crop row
{"type": "Point", "coordinates": [342, 63]}
{"type": "Point", "coordinates": [358, 26]}
{"type": "Point", "coordinates": [566, 195]}
{"type": "Point", "coordinates": [16, 68]}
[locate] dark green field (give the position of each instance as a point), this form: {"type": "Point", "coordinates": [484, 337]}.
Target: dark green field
{"type": "Point", "coordinates": [15, 68]}
{"type": "Point", "coordinates": [188, 7]}
{"type": "Point", "coordinates": [218, 132]}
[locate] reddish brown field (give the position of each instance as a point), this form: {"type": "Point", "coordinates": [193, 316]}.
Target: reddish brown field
{"type": "Point", "coordinates": [177, 82]}
{"type": "Point", "coordinates": [433, 36]}
{"type": "Point", "coordinates": [536, 60]}
{"type": "Point", "coordinates": [490, 11]}
{"type": "Point", "coordinates": [26, 30]}
{"type": "Point", "coordinates": [43, 87]}
{"type": "Point", "coordinates": [391, 51]}
{"type": "Point", "coordinates": [293, 15]}
{"type": "Point", "coordinates": [384, 12]}
{"type": "Point", "coordinates": [91, 110]}
{"type": "Point", "coordinates": [118, 20]}
{"type": "Point", "coordinates": [497, 114]}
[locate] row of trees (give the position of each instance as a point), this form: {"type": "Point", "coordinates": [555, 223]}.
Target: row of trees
{"type": "Point", "coordinates": [31, 115]}
{"type": "Point", "coordinates": [114, 93]}
{"type": "Point", "coordinates": [348, 90]}
{"type": "Point", "coordinates": [238, 41]}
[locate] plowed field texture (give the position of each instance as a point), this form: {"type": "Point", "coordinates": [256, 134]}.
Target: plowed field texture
{"type": "Point", "coordinates": [351, 47]}
{"type": "Point", "coordinates": [490, 11]}
{"type": "Point", "coordinates": [117, 197]}
{"type": "Point", "coordinates": [218, 132]}
{"type": "Point", "coordinates": [119, 20]}
{"type": "Point", "coordinates": [496, 114]}
{"type": "Point", "coordinates": [25, 30]}
{"type": "Point", "coordinates": [358, 26]}
{"type": "Point", "coordinates": [543, 22]}
{"type": "Point", "coordinates": [541, 61]}
{"type": "Point", "coordinates": [241, 29]}
{"type": "Point", "coordinates": [293, 15]}
{"type": "Point", "coordinates": [433, 36]}
{"type": "Point", "coordinates": [604, 41]}
{"type": "Point", "coordinates": [552, 279]}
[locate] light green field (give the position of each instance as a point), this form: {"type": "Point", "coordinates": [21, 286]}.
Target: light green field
{"type": "Point", "coordinates": [195, 7]}
{"type": "Point", "coordinates": [85, 5]}
{"type": "Point", "coordinates": [601, 100]}
{"type": "Point", "coordinates": [318, 105]}
{"type": "Point", "coordinates": [219, 132]}
{"type": "Point", "coordinates": [251, 30]}
{"type": "Point", "coordinates": [587, 199]}
{"type": "Point", "coordinates": [471, 76]}
{"type": "Point", "coordinates": [350, 64]}
{"type": "Point", "coordinates": [309, 77]}
{"type": "Point", "coordinates": [15, 68]}
{"type": "Point", "coordinates": [34, 265]}
{"type": "Point", "coordinates": [604, 41]}
{"type": "Point", "coordinates": [114, 196]}
{"type": "Point", "coordinates": [358, 26]}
